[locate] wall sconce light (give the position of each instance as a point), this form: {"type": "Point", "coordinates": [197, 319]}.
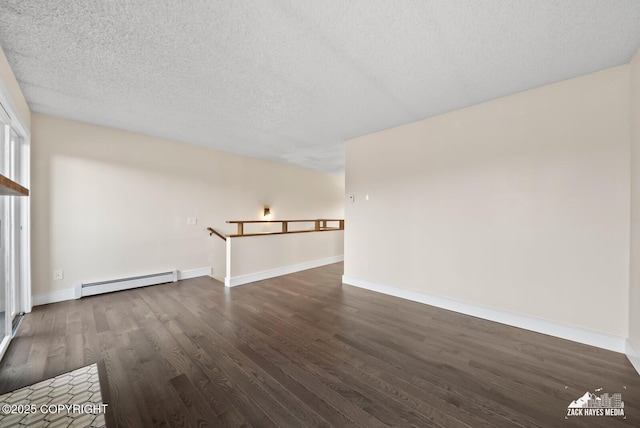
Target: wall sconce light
{"type": "Point", "coordinates": [267, 213]}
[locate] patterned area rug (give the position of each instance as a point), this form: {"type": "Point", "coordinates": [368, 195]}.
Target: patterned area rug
{"type": "Point", "coordinates": [69, 400]}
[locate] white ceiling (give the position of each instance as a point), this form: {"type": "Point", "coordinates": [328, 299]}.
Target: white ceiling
{"type": "Point", "coordinates": [291, 80]}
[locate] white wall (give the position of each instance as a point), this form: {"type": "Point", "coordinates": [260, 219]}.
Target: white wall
{"type": "Point", "coordinates": [108, 203]}
{"type": "Point", "coordinates": [634, 287]}
{"type": "Point", "coordinates": [520, 204]}
{"type": "Point", "coordinates": [253, 258]}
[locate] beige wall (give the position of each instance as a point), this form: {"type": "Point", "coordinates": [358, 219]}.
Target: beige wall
{"type": "Point", "coordinates": [277, 253]}
{"type": "Point", "coordinates": [109, 203]}
{"type": "Point", "coordinates": [10, 83]}
{"type": "Point", "coordinates": [634, 288]}
{"type": "Point", "coordinates": [519, 204]}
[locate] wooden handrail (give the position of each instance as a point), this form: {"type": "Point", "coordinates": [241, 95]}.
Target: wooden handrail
{"type": "Point", "coordinates": [9, 187]}
{"type": "Point", "coordinates": [215, 232]}
{"type": "Point", "coordinates": [320, 225]}
{"type": "Point", "coordinates": [328, 229]}
{"type": "Point", "coordinates": [280, 221]}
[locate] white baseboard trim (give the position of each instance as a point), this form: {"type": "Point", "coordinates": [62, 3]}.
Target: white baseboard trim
{"type": "Point", "coordinates": [575, 334]}
{"type": "Point", "coordinates": [194, 273]}
{"type": "Point", "coordinates": [70, 294]}
{"type": "Point", "coordinates": [285, 270]}
{"type": "Point", "coordinates": [633, 355]}
{"type": "Point", "coordinates": [53, 297]}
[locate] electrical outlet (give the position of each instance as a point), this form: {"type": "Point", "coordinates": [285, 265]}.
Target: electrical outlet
{"type": "Point", "coordinates": [351, 198]}
{"type": "Point", "coordinates": [58, 274]}
{"type": "Point", "coordinates": [192, 221]}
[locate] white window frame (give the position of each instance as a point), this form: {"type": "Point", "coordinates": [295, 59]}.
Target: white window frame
{"type": "Point", "coordinates": [15, 122]}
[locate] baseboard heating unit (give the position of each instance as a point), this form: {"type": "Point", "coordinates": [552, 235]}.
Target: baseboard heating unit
{"type": "Point", "coordinates": [92, 288]}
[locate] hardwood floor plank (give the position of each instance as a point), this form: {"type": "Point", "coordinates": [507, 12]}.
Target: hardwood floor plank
{"type": "Point", "coordinates": [222, 327]}
{"type": "Point", "coordinates": [100, 317]}
{"type": "Point", "coordinates": [304, 350]}
{"type": "Point", "coordinates": [310, 356]}
{"type": "Point", "coordinates": [168, 408]}
{"type": "Point", "coordinates": [249, 410]}
{"type": "Point", "coordinates": [332, 385]}
{"type": "Point", "coordinates": [274, 387]}
{"type": "Point", "coordinates": [196, 409]}
{"type": "Point", "coordinates": [74, 351]}
{"type": "Point", "coordinates": [324, 366]}
{"type": "Point", "coordinates": [248, 378]}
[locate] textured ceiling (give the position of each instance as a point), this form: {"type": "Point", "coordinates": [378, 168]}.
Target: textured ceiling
{"type": "Point", "coordinates": [289, 81]}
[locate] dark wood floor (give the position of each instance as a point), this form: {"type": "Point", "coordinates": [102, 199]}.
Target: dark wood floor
{"type": "Point", "coordinates": [304, 350]}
